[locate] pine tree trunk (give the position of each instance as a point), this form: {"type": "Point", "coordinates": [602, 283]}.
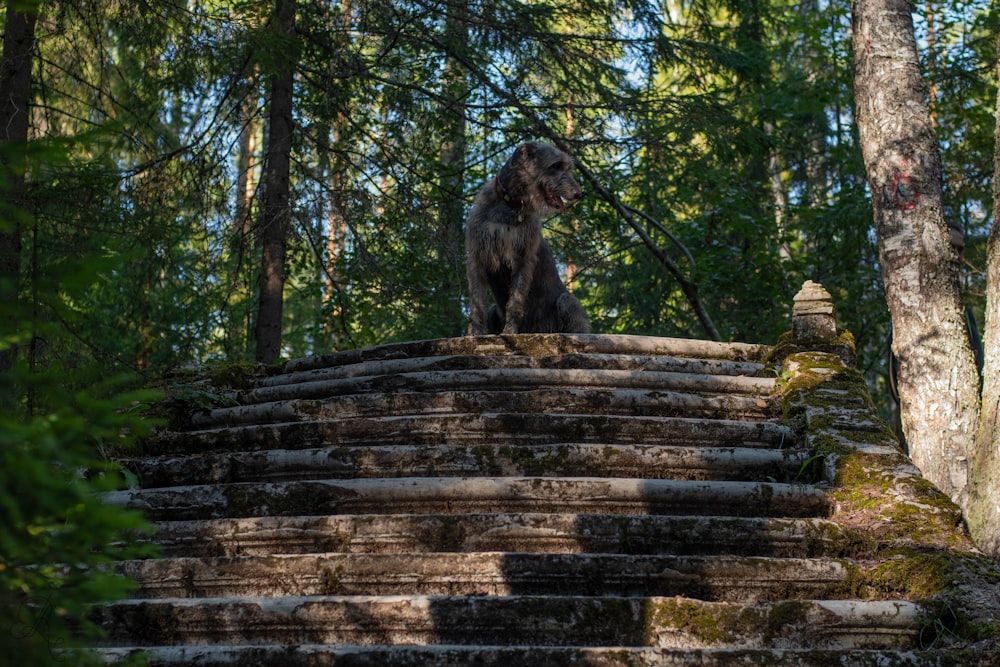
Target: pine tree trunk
{"type": "Point", "coordinates": [938, 379]}
{"type": "Point", "coordinates": [15, 94]}
{"type": "Point", "coordinates": [451, 240]}
{"type": "Point", "coordinates": [275, 212]}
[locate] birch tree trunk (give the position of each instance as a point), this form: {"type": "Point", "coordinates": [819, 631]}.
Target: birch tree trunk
{"type": "Point", "coordinates": [240, 304]}
{"type": "Point", "coordinates": [938, 380]}
{"type": "Point", "coordinates": [275, 212]}
{"type": "Point", "coordinates": [983, 513]}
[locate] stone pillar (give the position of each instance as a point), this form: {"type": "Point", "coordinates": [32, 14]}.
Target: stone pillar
{"type": "Point", "coordinates": [812, 314]}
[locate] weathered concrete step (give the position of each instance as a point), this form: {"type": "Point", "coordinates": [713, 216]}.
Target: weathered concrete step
{"type": "Point", "coordinates": [537, 345]}
{"type": "Point", "coordinates": [524, 532]}
{"type": "Point", "coordinates": [635, 402]}
{"type": "Point", "coordinates": [575, 460]}
{"type": "Point", "coordinates": [592, 361]}
{"type": "Point", "coordinates": [512, 379]}
{"type": "Point", "coordinates": [463, 495]}
{"type": "Point", "coordinates": [321, 655]}
{"type": "Point", "coordinates": [721, 578]}
{"type": "Point", "coordinates": [515, 620]}
{"type": "Point", "coordinates": [481, 428]}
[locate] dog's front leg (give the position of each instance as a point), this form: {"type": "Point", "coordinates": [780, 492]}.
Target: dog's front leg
{"type": "Point", "coordinates": [521, 284]}
{"type": "Point", "coordinates": [479, 301]}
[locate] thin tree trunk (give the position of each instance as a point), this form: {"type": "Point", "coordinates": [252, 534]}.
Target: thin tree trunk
{"type": "Point", "coordinates": [779, 197]}
{"type": "Point", "coordinates": [242, 235]}
{"type": "Point", "coordinates": [816, 125]}
{"type": "Point", "coordinates": [333, 168]}
{"type": "Point", "coordinates": [331, 174]}
{"type": "Point", "coordinates": [983, 514]}
{"type": "Point", "coordinates": [938, 379]}
{"type": "Point", "coordinates": [336, 243]}
{"type": "Point", "coordinates": [570, 271]}
{"type": "Point", "coordinates": [451, 242]}
{"type": "Point", "coordinates": [275, 212]}
{"type": "Point", "coordinates": [15, 94]}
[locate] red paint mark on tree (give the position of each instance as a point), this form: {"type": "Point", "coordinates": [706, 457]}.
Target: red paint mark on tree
{"type": "Point", "coordinates": [904, 192]}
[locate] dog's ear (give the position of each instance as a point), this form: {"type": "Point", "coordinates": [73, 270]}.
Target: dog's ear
{"type": "Point", "coordinates": [522, 155]}
{"type": "Point", "coordinates": [528, 150]}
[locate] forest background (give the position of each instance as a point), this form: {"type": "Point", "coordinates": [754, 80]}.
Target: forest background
{"type": "Point", "coordinates": [725, 134]}
{"type": "Point", "coordinates": [170, 144]}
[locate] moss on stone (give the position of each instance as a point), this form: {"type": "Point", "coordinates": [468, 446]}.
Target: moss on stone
{"type": "Point", "coordinates": [913, 575]}
{"type": "Point", "coordinates": [531, 463]}
{"type": "Point", "coordinates": [239, 375]}
{"type": "Point", "coordinates": [903, 537]}
{"type": "Point", "coordinates": [715, 624]}
{"type": "Point", "coordinates": [787, 345]}
{"type": "Point", "coordinates": [782, 615]}
{"type": "Point", "coordinates": [904, 509]}
{"type": "Point", "coordinates": [331, 581]}
{"type": "Point", "coordinates": [710, 625]}
{"type": "Point", "coordinates": [535, 345]}
{"type": "Point", "coordinates": [486, 459]}
{"type": "Point", "coordinates": [187, 392]}
{"type": "Point", "coordinates": [917, 575]}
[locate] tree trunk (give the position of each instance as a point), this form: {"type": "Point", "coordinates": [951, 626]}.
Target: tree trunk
{"type": "Point", "coordinates": [15, 94]}
{"type": "Point", "coordinates": [938, 380]}
{"type": "Point", "coordinates": [451, 241]}
{"type": "Point", "coordinates": [241, 296]}
{"type": "Point", "coordinates": [816, 125]}
{"type": "Point", "coordinates": [275, 212]}
{"type": "Point", "coordinates": [333, 167]}
{"type": "Point", "coordinates": [983, 513]}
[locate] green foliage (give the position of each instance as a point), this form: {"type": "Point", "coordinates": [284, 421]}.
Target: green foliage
{"type": "Point", "coordinates": [59, 539]}
{"type": "Point", "coordinates": [964, 98]}
{"type": "Point", "coordinates": [726, 127]}
{"type": "Point", "coordinates": [64, 406]}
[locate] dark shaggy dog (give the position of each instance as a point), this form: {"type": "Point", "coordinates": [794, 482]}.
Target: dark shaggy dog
{"type": "Point", "coordinates": [506, 254]}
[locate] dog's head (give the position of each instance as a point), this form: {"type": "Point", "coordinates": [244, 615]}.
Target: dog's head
{"type": "Point", "coordinates": [540, 176]}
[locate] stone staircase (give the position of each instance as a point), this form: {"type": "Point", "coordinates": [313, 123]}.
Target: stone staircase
{"type": "Point", "coordinates": [538, 500]}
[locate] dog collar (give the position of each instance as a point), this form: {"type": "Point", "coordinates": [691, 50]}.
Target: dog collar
{"type": "Point", "coordinates": [505, 195]}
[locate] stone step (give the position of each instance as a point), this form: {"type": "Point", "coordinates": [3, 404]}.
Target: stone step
{"type": "Point", "coordinates": [514, 620]}
{"type": "Point", "coordinates": [632, 402]}
{"type": "Point", "coordinates": [720, 578]}
{"type": "Point", "coordinates": [478, 429]}
{"type": "Point", "coordinates": [537, 346]}
{"type": "Point", "coordinates": [525, 532]}
{"type": "Point", "coordinates": [321, 655]}
{"type": "Point", "coordinates": [467, 362]}
{"type": "Point", "coordinates": [531, 500]}
{"type": "Point", "coordinates": [575, 460]}
{"type": "Point", "coordinates": [511, 379]}
{"type": "Point", "coordinates": [463, 495]}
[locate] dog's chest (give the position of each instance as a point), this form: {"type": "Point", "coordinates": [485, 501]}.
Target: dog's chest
{"type": "Point", "coordinates": [507, 245]}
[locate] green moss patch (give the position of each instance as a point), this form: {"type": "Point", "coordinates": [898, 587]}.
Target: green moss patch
{"type": "Point", "coordinates": [719, 624]}
{"type": "Point", "coordinates": [904, 537]}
